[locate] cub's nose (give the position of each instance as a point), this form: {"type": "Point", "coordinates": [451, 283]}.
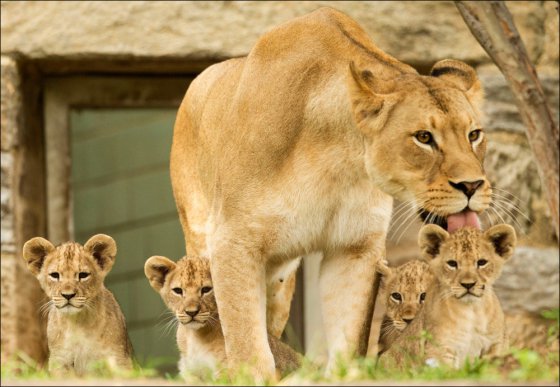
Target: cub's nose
{"type": "Point", "coordinates": [467, 187]}
{"type": "Point", "coordinates": [407, 320]}
{"type": "Point", "coordinates": [467, 285]}
{"type": "Point", "coordinates": [192, 313]}
{"type": "Point", "coordinates": [68, 296]}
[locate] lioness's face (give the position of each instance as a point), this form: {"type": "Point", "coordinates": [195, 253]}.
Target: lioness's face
{"type": "Point", "coordinates": [467, 262]}
{"type": "Point", "coordinates": [186, 289]}
{"type": "Point", "coordinates": [71, 274]}
{"type": "Point", "coordinates": [425, 143]}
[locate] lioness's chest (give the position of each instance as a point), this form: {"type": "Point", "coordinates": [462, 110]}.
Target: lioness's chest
{"type": "Point", "coordinates": [316, 219]}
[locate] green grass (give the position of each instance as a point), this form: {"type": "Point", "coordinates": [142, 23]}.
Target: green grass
{"type": "Point", "coordinates": [518, 365]}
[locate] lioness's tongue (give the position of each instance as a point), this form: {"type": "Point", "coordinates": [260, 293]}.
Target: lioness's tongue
{"type": "Point", "coordinates": [462, 219]}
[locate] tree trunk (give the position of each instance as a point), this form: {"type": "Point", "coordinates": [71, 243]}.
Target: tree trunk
{"type": "Point", "coordinates": [492, 25]}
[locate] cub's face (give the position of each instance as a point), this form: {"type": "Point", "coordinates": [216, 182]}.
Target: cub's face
{"type": "Point", "coordinates": [185, 287]}
{"type": "Point", "coordinates": [468, 261]}
{"type": "Point", "coordinates": [71, 274]}
{"type": "Point", "coordinates": [424, 141]}
{"type": "Point", "coordinates": [406, 287]}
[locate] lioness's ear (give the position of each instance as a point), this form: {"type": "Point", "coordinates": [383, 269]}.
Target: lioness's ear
{"type": "Point", "coordinates": [156, 269]}
{"type": "Point", "coordinates": [503, 238]}
{"type": "Point", "coordinates": [367, 95]}
{"type": "Point", "coordinates": [430, 239]}
{"type": "Point", "coordinates": [34, 252]}
{"type": "Point", "coordinates": [104, 250]}
{"type": "Point", "coordinates": [462, 76]}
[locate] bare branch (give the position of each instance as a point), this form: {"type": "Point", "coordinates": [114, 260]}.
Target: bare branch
{"type": "Point", "coordinates": [492, 25]}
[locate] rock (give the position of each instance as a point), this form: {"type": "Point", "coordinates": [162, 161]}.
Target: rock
{"type": "Point", "coordinates": [410, 31]}
{"type": "Point", "coordinates": [529, 281]}
{"type": "Point", "coordinates": [11, 102]}
{"type": "Point", "coordinates": [551, 27]}
{"type": "Point", "coordinates": [7, 210]}
{"type": "Point", "coordinates": [500, 110]}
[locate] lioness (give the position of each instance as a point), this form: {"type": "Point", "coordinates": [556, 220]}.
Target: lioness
{"type": "Point", "coordinates": [299, 147]}
{"type": "Point", "coordinates": [186, 289]}
{"type": "Point", "coordinates": [405, 292]}
{"type": "Point", "coordinates": [86, 327]}
{"type": "Point", "coordinates": [462, 317]}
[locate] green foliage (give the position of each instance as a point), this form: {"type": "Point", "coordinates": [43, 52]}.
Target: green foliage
{"type": "Point", "coordinates": [554, 315]}
{"type": "Point", "coordinates": [22, 367]}
{"type": "Point", "coordinates": [518, 365]}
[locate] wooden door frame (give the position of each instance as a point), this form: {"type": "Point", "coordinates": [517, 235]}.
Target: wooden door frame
{"type": "Point", "coordinates": [61, 94]}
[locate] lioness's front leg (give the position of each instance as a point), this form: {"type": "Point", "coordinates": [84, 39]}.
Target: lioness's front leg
{"type": "Point", "coordinates": [238, 276]}
{"type": "Point", "coordinates": [347, 296]}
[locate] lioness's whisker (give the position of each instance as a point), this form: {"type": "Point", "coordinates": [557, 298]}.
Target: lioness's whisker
{"type": "Point", "coordinates": [508, 213]}
{"type": "Point", "coordinates": [506, 201]}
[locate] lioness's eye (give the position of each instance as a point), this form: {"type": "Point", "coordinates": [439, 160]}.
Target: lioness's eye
{"type": "Point", "coordinates": [54, 275]}
{"type": "Point", "coordinates": [452, 263]}
{"type": "Point", "coordinates": [424, 137]}
{"type": "Point", "coordinates": [178, 291]}
{"type": "Point", "coordinates": [396, 296]}
{"type": "Point", "coordinates": [83, 275]}
{"type": "Point", "coordinates": [474, 135]}
{"type": "Point", "coordinates": [481, 262]}
{"type": "Point", "coordinates": [206, 289]}
{"type": "Point", "coordinates": [422, 297]}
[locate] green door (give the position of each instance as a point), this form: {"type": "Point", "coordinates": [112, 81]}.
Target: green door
{"type": "Point", "coordinates": [121, 187]}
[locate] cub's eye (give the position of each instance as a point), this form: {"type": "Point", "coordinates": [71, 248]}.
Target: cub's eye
{"type": "Point", "coordinates": [452, 263]}
{"type": "Point", "coordinates": [474, 135]}
{"type": "Point", "coordinates": [206, 289]}
{"type": "Point", "coordinates": [481, 262]}
{"type": "Point", "coordinates": [424, 137]}
{"type": "Point", "coordinates": [422, 297]}
{"type": "Point", "coordinates": [396, 296]}
{"type": "Point", "coordinates": [83, 275]}
{"type": "Point", "coordinates": [54, 275]}
{"type": "Point", "coordinates": [178, 291]}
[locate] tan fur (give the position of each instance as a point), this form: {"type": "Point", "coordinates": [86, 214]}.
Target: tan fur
{"type": "Point", "coordinates": [405, 289]}
{"type": "Point", "coordinates": [199, 335]}
{"type": "Point", "coordinates": [298, 148]}
{"type": "Point", "coordinates": [456, 324]}
{"type": "Point", "coordinates": [87, 330]}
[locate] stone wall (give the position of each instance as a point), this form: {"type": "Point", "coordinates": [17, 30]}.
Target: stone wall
{"type": "Point", "coordinates": [59, 37]}
{"type": "Point", "coordinates": [22, 328]}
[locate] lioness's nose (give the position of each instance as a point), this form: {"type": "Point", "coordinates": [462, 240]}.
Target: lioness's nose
{"type": "Point", "coordinates": [407, 320]}
{"type": "Point", "coordinates": [467, 187]}
{"type": "Point", "coordinates": [68, 296]}
{"type": "Point", "coordinates": [192, 313]}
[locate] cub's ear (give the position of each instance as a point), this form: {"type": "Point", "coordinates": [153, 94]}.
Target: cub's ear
{"type": "Point", "coordinates": [104, 250]}
{"type": "Point", "coordinates": [430, 239]}
{"type": "Point", "coordinates": [156, 269]}
{"type": "Point", "coordinates": [462, 76]}
{"type": "Point", "coordinates": [34, 252]}
{"type": "Point", "coordinates": [384, 269]}
{"type": "Point", "coordinates": [368, 97]}
{"type": "Point", "coordinates": [503, 238]}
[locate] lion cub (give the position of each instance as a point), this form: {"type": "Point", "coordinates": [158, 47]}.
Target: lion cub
{"type": "Point", "coordinates": [405, 291]}
{"type": "Point", "coordinates": [85, 324]}
{"type": "Point", "coordinates": [462, 317]}
{"type": "Point", "coordinates": [186, 289]}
